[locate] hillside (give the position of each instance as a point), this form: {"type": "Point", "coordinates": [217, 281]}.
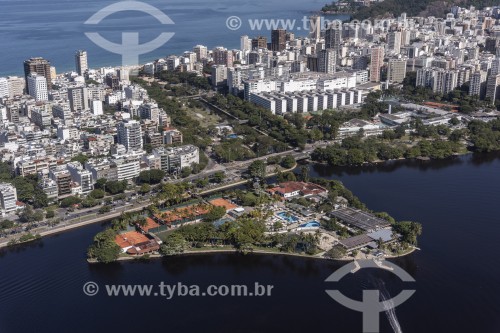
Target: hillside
{"type": "Point", "coordinates": [394, 8]}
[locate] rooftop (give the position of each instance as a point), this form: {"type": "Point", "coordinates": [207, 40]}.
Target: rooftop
{"type": "Point", "coordinates": [359, 219]}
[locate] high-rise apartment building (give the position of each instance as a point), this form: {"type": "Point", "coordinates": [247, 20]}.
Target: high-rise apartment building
{"type": "Point", "coordinates": [315, 27]}
{"type": "Point", "coordinates": [327, 60]}
{"type": "Point", "coordinates": [333, 37]}
{"type": "Point", "coordinates": [16, 86]}
{"type": "Point", "coordinates": [259, 42]}
{"type": "Point", "coordinates": [201, 52]}
{"type": "Point", "coordinates": [394, 41]}
{"type": "Point", "coordinates": [396, 71]}
{"type": "Point", "coordinates": [130, 134]}
{"type": "Point", "coordinates": [37, 87]}
{"type": "Point", "coordinates": [493, 88]}
{"type": "Point", "coordinates": [81, 62]}
{"type": "Point", "coordinates": [4, 87]}
{"type": "Point", "coordinates": [222, 56]}
{"type": "Point", "coordinates": [78, 99]}
{"type": "Point", "coordinates": [278, 40]}
{"type": "Point", "coordinates": [377, 60]}
{"type": "Point", "coordinates": [8, 198]}
{"type": "Point", "coordinates": [38, 66]}
{"type": "Point", "coordinates": [478, 84]}
{"type": "Point", "coordinates": [245, 44]}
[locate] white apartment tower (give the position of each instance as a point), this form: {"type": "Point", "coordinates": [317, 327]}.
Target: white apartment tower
{"type": "Point", "coordinates": [8, 198]}
{"type": "Point", "coordinates": [4, 87]}
{"type": "Point", "coordinates": [130, 134]}
{"type": "Point", "coordinates": [37, 86]}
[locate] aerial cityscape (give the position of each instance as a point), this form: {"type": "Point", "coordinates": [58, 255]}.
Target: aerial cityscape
{"type": "Point", "coordinates": [352, 140]}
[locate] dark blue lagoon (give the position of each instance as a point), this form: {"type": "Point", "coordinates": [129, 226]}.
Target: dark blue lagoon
{"type": "Point", "coordinates": [456, 272]}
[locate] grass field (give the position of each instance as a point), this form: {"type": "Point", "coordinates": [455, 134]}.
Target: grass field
{"type": "Point", "coordinates": [204, 116]}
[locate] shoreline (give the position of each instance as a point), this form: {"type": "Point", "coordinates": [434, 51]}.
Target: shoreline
{"type": "Point", "coordinates": [401, 159]}
{"type": "Point", "coordinates": [110, 216]}
{"type": "Point", "coordinates": [236, 251]}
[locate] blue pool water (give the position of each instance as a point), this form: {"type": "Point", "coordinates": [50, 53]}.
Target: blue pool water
{"type": "Point", "coordinates": [311, 224]}
{"type": "Point", "coordinates": [288, 218]}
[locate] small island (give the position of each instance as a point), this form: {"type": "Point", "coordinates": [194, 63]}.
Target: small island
{"type": "Point", "coordinates": [299, 216]}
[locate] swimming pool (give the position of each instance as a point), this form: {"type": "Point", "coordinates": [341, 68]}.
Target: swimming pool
{"type": "Point", "coordinates": [287, 217]}
{"type": "Point", "coordinates": [311, 224]}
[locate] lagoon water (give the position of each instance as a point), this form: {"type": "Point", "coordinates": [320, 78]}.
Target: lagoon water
{"type": "Point", "coordinates": [456, 272]}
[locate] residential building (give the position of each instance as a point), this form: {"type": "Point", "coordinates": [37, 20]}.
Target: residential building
{"type": "Point", "coordinates": [327, 60]}
{"type": "Point", "coordinates": [174, 159]}
{"type": "Point", "coordinates": [493, 88]}
{"type": "Point", "coordinates": [8, 198]}
{"type": "Point", "coordinates": [81, 63]}
{"type": "Point", "coordinates": [62, 177]}
{"type": "Point", "coordinates": [78, 99]}
{"type": "Point", "coordinates": [81, 176]}
{"type": "Point", "coordinates": [478, 84]}
{"type": "Point", "coordinates": [396, 71]}
{"type": "Point", "coordinates": [40, 67]}
{"type": "Point", "coordinates": [37, 87]}
{"type": "Point", "coordinates": [130, 134]}
{"type": "Point", "coordinates": [377, 60]}
{"type": "Point", "coordinates": [278, 40]}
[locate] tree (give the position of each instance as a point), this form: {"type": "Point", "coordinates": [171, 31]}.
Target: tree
{"type": "Point", "coordinates": [38, 215]}
{"type": "Point", "coordinates": [277, 226]}
{"type": "Point", "coordinates": [104, 209]}
{"type": "Point", "coordinates": [257, 169]}
{"type": "Point", "coordinates": [50, 213]}
{"type": "Point", "coordinates": [101, 183]}
{"type": "Point", "coordinates": [104, 247]}
{"type": "Point", "coordinates": [215, 213]}
{"type": "Point", "coordinates": [454, 121]}
{"type": "Point", "coordinates": [145, 188]}
{"type": "Point", "coordinates": [304, 173]}
{"type": "Point", "coordinates": [97, 194]}
{"type": "Point", "coordinates": [409, 231]}
{"type": "Point", "coordinates": [218, 177]}
{"type": "Point", "coordinates": [90, 202]}
{"type": "Point", "coordinates": [151, 176]}
{"type": "Point", "coordinates": [70, 201]}
{"type": "Point", "coordinates": [6, 224]}
{"type": "Point", "coordinates": [186, 172]}
{"type": "Point", "coordinates": [288, 162]}
{"type": "Point", "coordinates": [115, 187]}
{"type": "Point", "coordinates": [80, 158]}
{"type": "Point", "coordinates": [315, 134]}
{"type": "Point", "coordinates": [24, 188]}
{"type": "Point", "coordinates": [173, 244]}
{"type": "Point", "coordinates": [27, 214]}
{"type": "Point", "coordinates": [336, 252]}
{"type": "Point", "coordinates": [355, 156]}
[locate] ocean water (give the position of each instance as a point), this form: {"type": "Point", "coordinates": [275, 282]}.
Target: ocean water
{"type": "Point", "coordinates": [54, 29]}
